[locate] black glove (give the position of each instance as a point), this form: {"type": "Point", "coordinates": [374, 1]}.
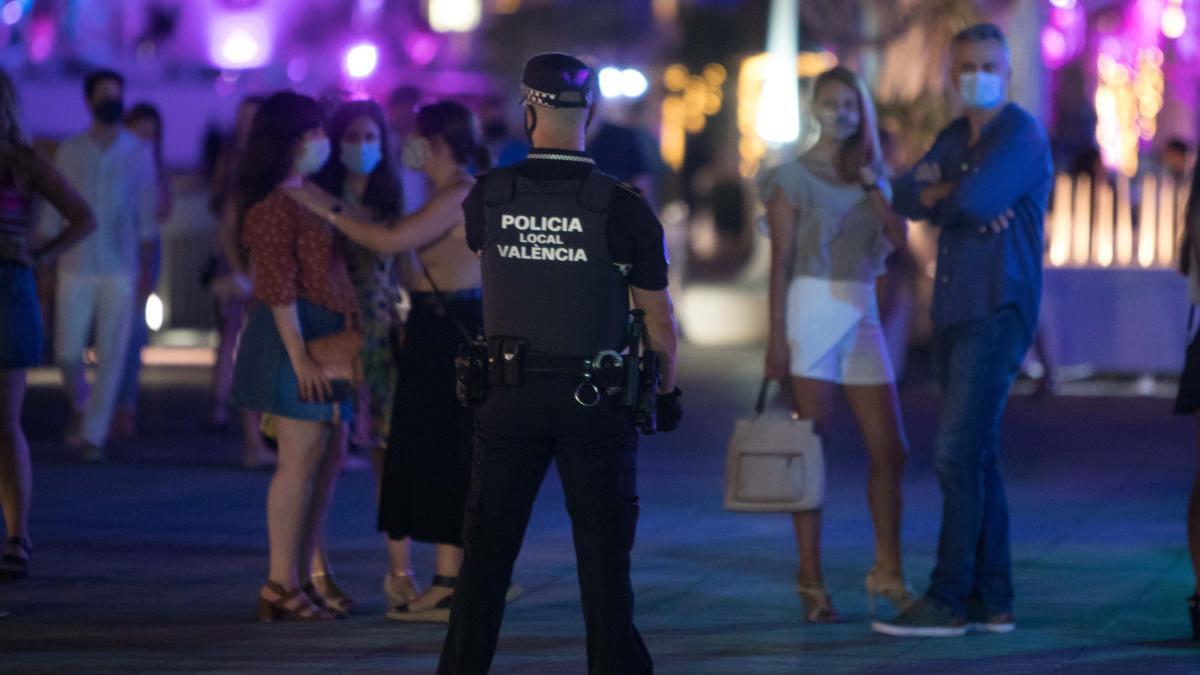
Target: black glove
{"type": "Point", "coordinates": [670, 410]}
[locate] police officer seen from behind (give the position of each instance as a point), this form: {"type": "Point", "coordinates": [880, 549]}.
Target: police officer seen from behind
{"type": "Point", "coordinates": [563, 248]}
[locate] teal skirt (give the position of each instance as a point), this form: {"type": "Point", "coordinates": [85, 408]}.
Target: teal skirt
{"type": "Point", "coordinates": [263, 377]}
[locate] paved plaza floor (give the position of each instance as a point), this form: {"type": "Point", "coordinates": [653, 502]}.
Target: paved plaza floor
{"type": "Point", "coordinates": [151, 563]}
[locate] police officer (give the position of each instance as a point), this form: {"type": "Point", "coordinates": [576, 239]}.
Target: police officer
{"type": "Point", "coordinates": [563, 248]}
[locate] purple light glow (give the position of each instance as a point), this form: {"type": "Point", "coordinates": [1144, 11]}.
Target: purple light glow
{"type": "Point", "coordinates": [41, 38]}
{"type": "Point", "coordinates": [1064, 17]}
{"type": "Point", "coordinates": [1111, 46]}
{"type": "Point", "coordinates": [421, 48]}
{"type": "Point", "coordinates": [297, 69]}
{"type": "Point", "coordinates": [239, 41]}
{"type": "Point", "coordinates": [1064, 37]}
{"type": "Point", "coordinates": [1064, 4]}
{"type": "Point", "coordinates": [1054, 47]}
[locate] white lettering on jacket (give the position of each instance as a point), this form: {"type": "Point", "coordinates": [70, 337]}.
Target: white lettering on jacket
{"type": "Point", "coordinates": [546, 253]}
{"type": "Point", "coordinates": [540, 223]}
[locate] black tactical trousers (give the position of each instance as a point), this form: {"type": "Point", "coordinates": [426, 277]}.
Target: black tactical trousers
{"type": "Point", "coordinates": [518, 431]}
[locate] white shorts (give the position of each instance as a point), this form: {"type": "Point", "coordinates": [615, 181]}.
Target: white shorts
{"type": "Point", "coordinates": [858, 357]}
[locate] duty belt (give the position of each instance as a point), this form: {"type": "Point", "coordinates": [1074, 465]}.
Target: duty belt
{"type": "Point", "coordinates": [602, 373]}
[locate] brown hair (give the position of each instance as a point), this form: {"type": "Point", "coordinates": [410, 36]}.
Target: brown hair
{"type": "Point", "coordinates": [862, 147]}
{"type": "Point", "coordinates": [455, 125]}
{"type": "Point", "coordinates": [11, 131]}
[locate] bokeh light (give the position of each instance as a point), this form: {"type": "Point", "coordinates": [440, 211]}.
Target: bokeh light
{"type": "Point", "coordinates": [610, 82]}
{"type": "Point", "coordinates": [1174, 21]}
{"type": "Point", "coordinates": [297, 69]}
{"type": "Point", "coordinates": [454, 16]}
{"type": "Point", "coordinates": [361, 60]}
{"type": "Point", "coordinates": [155, 312]}
{"type": "Point", "coordinates": [633, 83]}
{"type": "Point", "coordinates": [422, 48]}
{"type": "Point", "coordinates": [238, 41]}
{"type": "Point", "coordinates": [12, 12]}
{"type": "Point", "coordinates": [1054, 47]}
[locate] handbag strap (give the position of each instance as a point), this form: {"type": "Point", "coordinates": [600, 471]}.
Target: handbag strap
{"type": "Point", "coordinates": [761, 405]}
{"type": "Point", "coordinates": [462, 330]}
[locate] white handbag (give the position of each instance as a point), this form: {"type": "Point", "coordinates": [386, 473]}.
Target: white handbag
{"type": "Point", "coordinates": [775, 462]}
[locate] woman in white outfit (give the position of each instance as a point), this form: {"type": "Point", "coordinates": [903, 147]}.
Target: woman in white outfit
{"type": "Point", "coordinates": [832, 226]}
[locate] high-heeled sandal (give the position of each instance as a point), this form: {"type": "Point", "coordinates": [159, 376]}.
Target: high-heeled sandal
{"type": "Point", "coordinates": [1194, 612]}
{"type": "Point", "coordinates": [321, 602]}
{"type": "Point", "coordinates": [894, 589]}
{"type": "Point", "coordinates": [400, 588]}
{"type": "Point", "coordinates": [439, 613]}
{"type": "Point", "coordinates": [333, 595]}
{"type": "Point", "coordinates": [818, 607]}
{"type": "Point", "coordinates": [293, 605]}
{"type": "Point", "coordinates": [14, 567]}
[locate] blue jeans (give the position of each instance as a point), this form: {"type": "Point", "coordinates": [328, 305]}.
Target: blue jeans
{"type": "Point", "coordinates": [977, 362]}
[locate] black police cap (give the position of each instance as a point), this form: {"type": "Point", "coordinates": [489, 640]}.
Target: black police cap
{"type": "Point", "coordinates": [554, 80]}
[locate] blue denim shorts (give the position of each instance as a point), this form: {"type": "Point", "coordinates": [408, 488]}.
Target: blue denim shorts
{"type": "Point", "coordinates": [20, 318]}
{"type": "Point", "coordinates": [263, 377]}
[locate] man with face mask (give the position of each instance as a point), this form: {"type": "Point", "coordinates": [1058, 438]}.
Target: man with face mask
{"type": "Point", "coordinates": [564, 247]}
{"type": "Point", "coordinates": [985, 184]}
{"type": "Point", "coordinates": [114, 170]}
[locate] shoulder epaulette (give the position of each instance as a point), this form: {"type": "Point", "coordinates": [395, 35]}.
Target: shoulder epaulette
{"type": "Point", "coordinates": [630, 187]}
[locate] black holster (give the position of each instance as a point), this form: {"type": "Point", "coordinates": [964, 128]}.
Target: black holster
{"type": "Point", "coordinates": [506, 361]}
{"type": "Point", "coordinates": [471, 373]}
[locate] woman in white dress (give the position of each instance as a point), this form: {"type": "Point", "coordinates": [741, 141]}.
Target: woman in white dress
{"type": "Point", "coordinates": [831, 226]}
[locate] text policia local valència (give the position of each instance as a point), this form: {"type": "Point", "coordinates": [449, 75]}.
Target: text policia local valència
{"type": "Point", "coordinates": [541, 238]}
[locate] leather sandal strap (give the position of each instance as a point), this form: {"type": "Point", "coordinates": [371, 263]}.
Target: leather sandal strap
{"type": "Point", "coordinates": [295, 602]}
{"type": "Point", "coordinates": [284, 595]}
{"type": "Point", "coordinates": [316, 599]}
{"type": "Point", "coordinates": [444, 582]}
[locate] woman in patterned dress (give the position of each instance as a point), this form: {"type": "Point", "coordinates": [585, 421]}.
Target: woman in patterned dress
{"type": "Point", "coordinates": [365, 177]}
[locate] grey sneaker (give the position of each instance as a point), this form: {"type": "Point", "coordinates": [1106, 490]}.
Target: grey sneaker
{"type": "Point", "coordinates": [980, 620]}
{"type": "Point", "coordinates": [926, 618]}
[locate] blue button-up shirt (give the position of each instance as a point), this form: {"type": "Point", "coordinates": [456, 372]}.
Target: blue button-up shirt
{"type": "Point", "coordinates": [978, 270]}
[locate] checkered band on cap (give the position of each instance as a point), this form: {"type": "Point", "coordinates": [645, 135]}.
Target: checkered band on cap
{"type": "Point", "coordinates": [566, 99]}
{"type": "Point", "coordinates": [542, 98]}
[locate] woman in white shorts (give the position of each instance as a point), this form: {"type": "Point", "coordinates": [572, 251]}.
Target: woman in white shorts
{"type": "Point", "coordinates": [832, 226]}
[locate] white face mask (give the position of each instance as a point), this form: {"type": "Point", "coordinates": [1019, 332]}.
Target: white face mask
{"type": "Point", "coordinates": [416, 153]}
{"type": "Point", "coordinates": [316, 153]}
{"type": "Point", "coordinates": [981, 90]}
{"type": "Point", "coordinates": [361, 158]}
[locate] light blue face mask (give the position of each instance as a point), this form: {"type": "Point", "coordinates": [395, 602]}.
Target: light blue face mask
{"type": "Point", "coordinates": [361, 158]}
{"type": "Point", "coordinates": [313, 157]}
{"type": "Point", "coordinates": [981, 90]}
